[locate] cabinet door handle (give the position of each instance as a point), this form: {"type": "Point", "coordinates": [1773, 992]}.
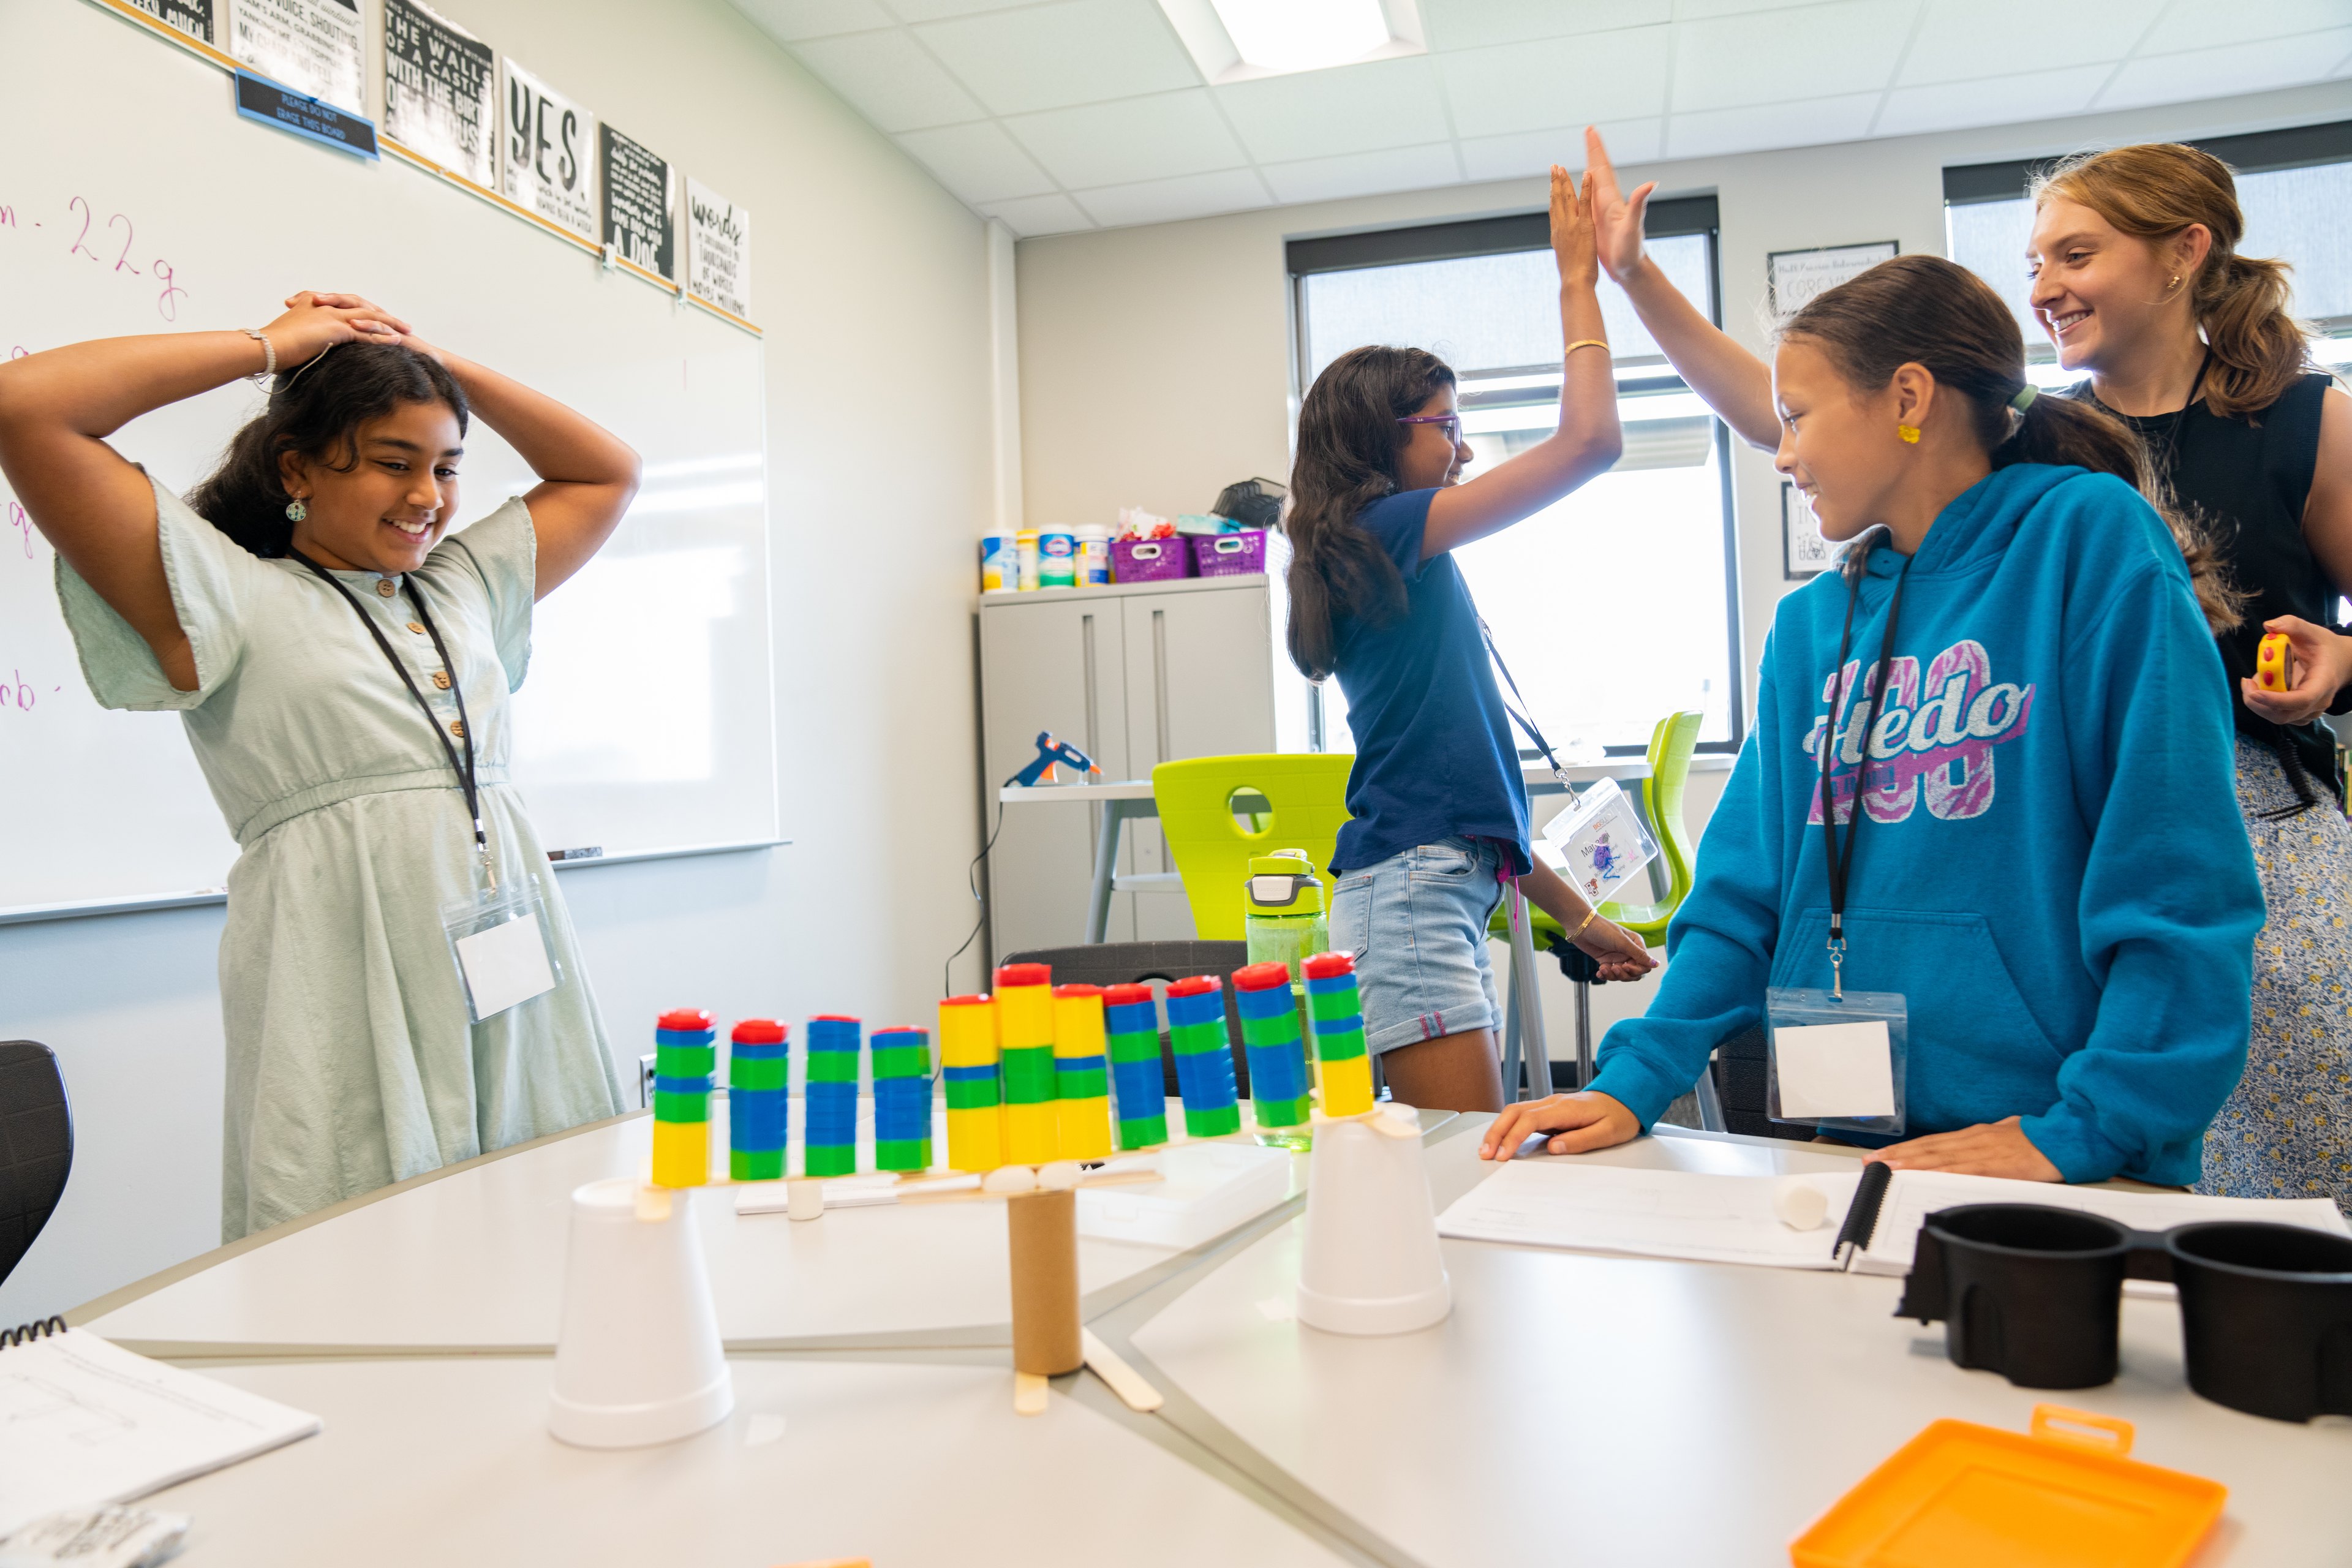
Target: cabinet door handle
{"type": "Point", "coordinates": [1160, 679]}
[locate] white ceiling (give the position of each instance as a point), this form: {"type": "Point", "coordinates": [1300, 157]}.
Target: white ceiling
{"type": "Point", "coordinates": [1060, 115]}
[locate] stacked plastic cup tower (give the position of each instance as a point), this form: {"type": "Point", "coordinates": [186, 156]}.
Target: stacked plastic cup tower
{"type": "Point", "coordinates": [902, 1100]}
{"type": "Point", "coordinates": [759, 1102]}
{"type": "Point", "coordinates": [1205, 1057]}
{"type": "Point", "coordinates": [969, 1064]}
{"type": "Point", "coordinates": [1277, 1052]}
{"type": "Point", "coordinates": [1133, 1028]}
{"type": "Point", "coordinates": [829, 1147]}
{"type": "Point", "coordinates": [684, 1053]}
{"type": "Point", "coordinates": [1081, 1075]}
{"type": "Point", "coordinates": [1024, 1034]}
{"type": "Point", "coordinates": [1338, 1013]}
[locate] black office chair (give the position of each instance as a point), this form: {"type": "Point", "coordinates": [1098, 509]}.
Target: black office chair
{"type": "Point", "coordinates": [36, 1146]}
{"type": "Point", "coordinates": [1138, 962]}
{"type": "Point", "coordinates": [1741, 1069]}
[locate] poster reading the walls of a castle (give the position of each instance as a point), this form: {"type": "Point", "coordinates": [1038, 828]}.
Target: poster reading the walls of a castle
{"type": "Point", "coordinates": [718, 249]}
{"type": "Point", "coordinates": [440, 91]}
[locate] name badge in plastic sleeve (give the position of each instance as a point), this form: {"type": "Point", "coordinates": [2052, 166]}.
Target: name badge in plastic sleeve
{"type": "Point", "coordinates": [1837, 1062]}
{"type": "Point", "coordinates": [500, 943]}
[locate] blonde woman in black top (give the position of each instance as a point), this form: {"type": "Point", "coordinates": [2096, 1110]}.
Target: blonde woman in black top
{"type": "Point", "coordinates": [2137, 280]}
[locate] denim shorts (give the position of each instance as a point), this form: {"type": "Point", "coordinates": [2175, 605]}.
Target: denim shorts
{"type": "Point", "coordinates": [1417, 924]}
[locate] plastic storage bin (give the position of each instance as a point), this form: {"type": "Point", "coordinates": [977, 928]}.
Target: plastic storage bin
{"type": "Point", "coordinates": [1149, 559]}
{"type": "Point", "coordinates": [1230, 554]}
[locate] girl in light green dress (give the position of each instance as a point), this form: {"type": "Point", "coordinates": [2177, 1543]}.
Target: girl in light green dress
{"type": "Point", "coordinates": [342, 661]}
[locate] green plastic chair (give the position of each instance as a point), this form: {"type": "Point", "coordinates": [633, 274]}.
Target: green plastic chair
{"type": "Point", "coordinates": [1306, 796]}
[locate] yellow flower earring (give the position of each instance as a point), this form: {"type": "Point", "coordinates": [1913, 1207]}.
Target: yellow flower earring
{"type": "Point", "coordinates": [1910, 434]}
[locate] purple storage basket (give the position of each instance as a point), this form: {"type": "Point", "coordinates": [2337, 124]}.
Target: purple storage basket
{"type": "Point", "coordinates": [1149, 559]}
{"type": "Point", "coordinates": [1230, 554]}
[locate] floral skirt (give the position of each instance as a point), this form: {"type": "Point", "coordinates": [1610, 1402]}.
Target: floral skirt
{"type": "Point", "coordinates": [2287, 1131]}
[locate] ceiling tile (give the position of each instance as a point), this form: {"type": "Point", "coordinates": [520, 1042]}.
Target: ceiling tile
{"type": "Point", "coordinates": [938, 10]}
{"type": "Point", "coordinates": [1473, 24]}
{"type": "Point", "coordinates": [1535, 152]}
{"type": "Point", "coordinates": [887, 78]}
{"type": "Point", "coordinates": [1804, 124]}
{"type": "Point", "coordinates": [1364, 173]}
{"type": "Point", "coordinates": [1166, 201]}
{"type": "Point", "coordinates": [1049, 57]}
{"type": "Point", "coordinates": [979, 163]}
{"type": "Point", "coordinates": [789, 21]}
{"type": "Point", "coordinates": [1533, 87]}
{"type": "Point", "coordinates": [1113, 143]}
{"type": "Point", "coordinates": [2205, 24]}
{"type": "Point", "coordinates": [1321, 114]}
{"type": "Point", "coordinates": [2227, 68]}
{"type": "Point", "coordinates": [1039, 214]}
{"type": "Point", "coordinates": [1770, 56]}
{"type": "Point", "coordinates": [1959, 40]}
{"type": "Point", "coordinates": [1952, 105]}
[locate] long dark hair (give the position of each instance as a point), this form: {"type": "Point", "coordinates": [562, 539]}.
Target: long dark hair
{"type": "Point", "coordinates": [317, 410]}
{"type": "Point", "coordinates": [1348, 445]}
{"type": "Point", "coordinates": [1926, 311]}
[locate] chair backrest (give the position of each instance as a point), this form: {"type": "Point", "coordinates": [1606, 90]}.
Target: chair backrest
{"type": "Point", "coordinates": [1139, 963]}
{"type": "Point", "coordinates": [36, 1146]}
{"type": "Point", "coordinates": [1671, 746]}
{"type": "Point", "coordinates": [1307, 799]}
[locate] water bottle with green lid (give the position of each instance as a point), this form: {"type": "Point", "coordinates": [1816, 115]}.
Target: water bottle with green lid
{"type": "Point", "coordinates": [1283, 911]}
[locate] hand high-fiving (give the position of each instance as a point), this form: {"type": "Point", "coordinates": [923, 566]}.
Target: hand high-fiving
{"type": "Point", "coordinates": [1616, 218]}
{"type": "Point", "coordinates": [315, 323]}
{"type": "Point", "coordinates": [1571, 229]}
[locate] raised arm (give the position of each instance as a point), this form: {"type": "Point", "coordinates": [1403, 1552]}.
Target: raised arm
{"type": "Point", "coordinates": [1734, 383]}
{"type": "Point", "coordinates": [1587, 440]}
{"type": "Point", "coordinates": [56, 409]}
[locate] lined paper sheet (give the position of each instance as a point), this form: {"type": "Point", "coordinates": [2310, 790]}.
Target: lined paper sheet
{"type": "Point", "coordinates": [1653, 1214]}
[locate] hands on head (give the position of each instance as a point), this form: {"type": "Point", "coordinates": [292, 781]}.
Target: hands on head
{"type": "Point", "coordinates": [315, 323]}
{"type": "Point", "coordinates": [1578, 1122]}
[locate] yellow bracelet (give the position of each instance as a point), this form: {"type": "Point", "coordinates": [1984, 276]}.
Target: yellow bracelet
{"type": "Point", "coordinates": [1600, 343]}
{"type": "Point", "coordinates": [1578, 934]}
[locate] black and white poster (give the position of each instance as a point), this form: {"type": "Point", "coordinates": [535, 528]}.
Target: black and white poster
{"type": "Point", "coordinates": [718, 249]}
{"type": "Point", "coordinates": [640, 202]}
{"type": "Point", "coordinates": [314, 46]}
{"type": "Point", "coordinates": [1792, 277]}
{"type": "Point", "coordinates": [1805, 553]}
{"type": "Point", "coordinates": [440, 88]}
{"type": "Point", "coordinates": [194, 17]}
{"type": "Point", "coordinates": [550, 151]}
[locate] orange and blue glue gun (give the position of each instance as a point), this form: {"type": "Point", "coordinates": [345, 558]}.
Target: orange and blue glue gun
{"type": "Point", "coordinates": [1049, 752]}
{"type": "Point", "coordinates": [2274, 663]}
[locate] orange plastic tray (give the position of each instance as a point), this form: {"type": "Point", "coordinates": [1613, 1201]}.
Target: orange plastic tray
{"type": "Point", "coordinates": [1963, 1496]}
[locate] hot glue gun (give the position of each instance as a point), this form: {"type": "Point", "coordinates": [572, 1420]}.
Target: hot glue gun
{"type": "Point", "coordinates": [1049, 752]}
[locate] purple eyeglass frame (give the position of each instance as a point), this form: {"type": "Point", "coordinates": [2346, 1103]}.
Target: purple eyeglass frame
{"type": "Point", "coordinates": [1453, 419]}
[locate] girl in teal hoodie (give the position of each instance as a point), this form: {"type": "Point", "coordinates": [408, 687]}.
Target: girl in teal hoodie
{"type": "Point", "coordinates": [2046, 865]}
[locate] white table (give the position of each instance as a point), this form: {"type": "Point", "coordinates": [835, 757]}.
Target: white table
{"type": "Point", "coordinates": [474, 1261]}
{"type": "Point", "coordinates": [1128, 799]}
{"type": "Point", "coordinates": [434, 1461]}
{"type": "Point", "coordinates": [1634, 1410]}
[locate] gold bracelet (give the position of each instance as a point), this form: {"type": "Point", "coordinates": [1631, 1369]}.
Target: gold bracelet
{"type": "Point", "coordinates": [1578, 935]}
{"type": "Point", "coordinates": [1600, 343]}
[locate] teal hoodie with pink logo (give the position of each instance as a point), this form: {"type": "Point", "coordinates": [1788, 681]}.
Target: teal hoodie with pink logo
{"type": "Point", "coordinates": [2052, 870]}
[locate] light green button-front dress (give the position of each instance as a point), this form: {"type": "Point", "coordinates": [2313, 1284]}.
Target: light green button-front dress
{"type": "Point", "coordinates": [352, 1062]}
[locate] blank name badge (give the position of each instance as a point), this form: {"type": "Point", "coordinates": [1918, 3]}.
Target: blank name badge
{"type": "Point", "coordinates": [1841, 1070]}
{"type": "Point", "coordinates": [500, 947]}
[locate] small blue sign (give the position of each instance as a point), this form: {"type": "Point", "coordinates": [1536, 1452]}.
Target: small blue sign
{"type": "Point", "coordinates": [258, 97]}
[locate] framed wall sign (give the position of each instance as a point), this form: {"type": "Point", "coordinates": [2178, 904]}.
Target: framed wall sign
{"type": "Point", "coordinates": [1805, 553]}
{"type": "Point", "coordinates": [1794, 276]}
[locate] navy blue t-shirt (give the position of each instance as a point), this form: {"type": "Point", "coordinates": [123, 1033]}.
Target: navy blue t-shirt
{"type": "Point", "coordinates": [1434, 756]}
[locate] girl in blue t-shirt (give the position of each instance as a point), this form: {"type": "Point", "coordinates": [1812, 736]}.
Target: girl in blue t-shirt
{"type": "Point", "coordinates": [1440, 811]}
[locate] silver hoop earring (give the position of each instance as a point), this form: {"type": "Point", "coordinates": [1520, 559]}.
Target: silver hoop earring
{"type": "Point", "coordinates": [294, 510]}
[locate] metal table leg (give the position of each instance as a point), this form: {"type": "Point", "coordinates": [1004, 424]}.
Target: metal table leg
{"type": "Point", "coordinates": [1535, 1052]}
{"type": "Point", "coordinates": [1114, 820]}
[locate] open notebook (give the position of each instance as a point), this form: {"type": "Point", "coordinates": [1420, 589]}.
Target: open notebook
{"type": "Point", "coordinates": [83, 1422]}
{"type": "Point", "coordinates": [1875, 1212]}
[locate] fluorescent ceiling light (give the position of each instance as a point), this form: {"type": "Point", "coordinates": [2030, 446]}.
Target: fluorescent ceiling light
{"type": "Point", "coordinates": [1237, 40]}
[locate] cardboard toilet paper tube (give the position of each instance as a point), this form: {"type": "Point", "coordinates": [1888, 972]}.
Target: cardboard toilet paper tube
{"type": "Point", "coordinates": [1046, 1338]}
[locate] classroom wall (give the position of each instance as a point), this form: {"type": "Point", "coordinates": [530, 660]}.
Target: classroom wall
{"type": "Point", "coordinates": [1156, 362]}
{"type": "Point", "coordinates": [873, 284]}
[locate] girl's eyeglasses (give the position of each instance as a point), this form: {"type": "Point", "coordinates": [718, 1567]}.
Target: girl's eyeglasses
{"type": "Point", "coordinates": [1449, 425]}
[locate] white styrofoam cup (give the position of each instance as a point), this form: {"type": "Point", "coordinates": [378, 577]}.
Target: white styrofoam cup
{"type": "Point", "coordinates": [638, 1359]}
{"type": "Point", "coordinates": [1370, 1264]}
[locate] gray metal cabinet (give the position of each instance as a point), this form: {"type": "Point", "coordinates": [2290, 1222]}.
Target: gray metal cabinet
{"type": "Point", "coordinates": [1134, 674]}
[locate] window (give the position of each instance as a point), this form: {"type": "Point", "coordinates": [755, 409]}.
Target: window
{"type": "Point", "coordinates": [1633, 571]}
{"type": "Point", "coordinates": [2295, 187]}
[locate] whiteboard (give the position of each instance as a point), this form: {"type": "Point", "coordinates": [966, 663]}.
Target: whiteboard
{"type": "Point", "coordinates": [135, 200]}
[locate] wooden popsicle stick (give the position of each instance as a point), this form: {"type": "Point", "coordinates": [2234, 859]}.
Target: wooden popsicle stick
{"type": "Point", "coordinates": [1115, 1179]}
{"type": "Point", "coordinates": [1029, 1390]}
{"type": "Point", "coordinates": [1123, 1379]}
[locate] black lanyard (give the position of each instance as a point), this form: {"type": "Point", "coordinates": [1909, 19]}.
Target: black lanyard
{"type": "Point", "coordinates": [465, 772]}
{"type": "Point", "coordinates": [2172, 434]}
{"type": "Point", "coordinates": [1839, 865]}
{"type": "Point", "coordinates": [1517, 714]}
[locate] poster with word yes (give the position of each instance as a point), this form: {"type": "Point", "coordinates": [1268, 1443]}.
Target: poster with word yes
{"type": "Point", "coordinates": [314, 46]}
{"type": "Point", "coordinates": [550, 151]}
{"type": "Point", "coordinates": [439, 92]}
{"type": "Point", "coordinates": [718, 249]}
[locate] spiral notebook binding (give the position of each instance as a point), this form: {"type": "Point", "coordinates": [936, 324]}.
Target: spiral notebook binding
{"type": "Point", "coordinates": [1862, 1218]}
{"type": "Point", "coordinates": [39, 1328]}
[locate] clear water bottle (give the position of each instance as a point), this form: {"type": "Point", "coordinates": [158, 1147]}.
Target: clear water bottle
{"type": "Point", "coordinates": [1284, 914]}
